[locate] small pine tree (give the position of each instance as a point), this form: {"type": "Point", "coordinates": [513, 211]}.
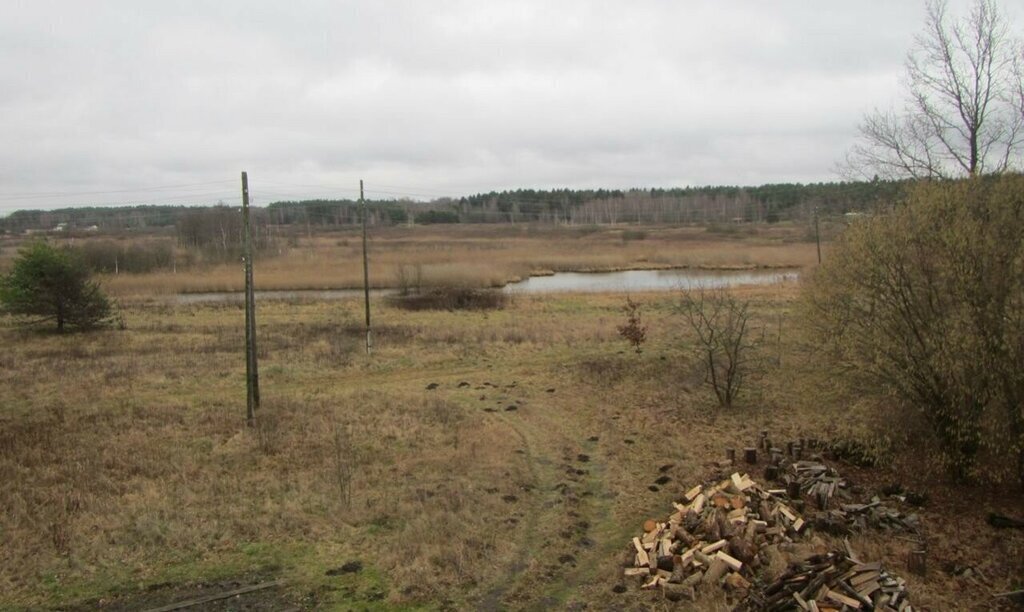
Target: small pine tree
{"type": "Point", "coordinates": [53, 284]}
{"type": "Point", "coordinates": [633, 331]}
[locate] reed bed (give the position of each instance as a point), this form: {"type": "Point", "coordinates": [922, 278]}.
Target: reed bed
{"type": "Point", "coordinates": [477, 256]}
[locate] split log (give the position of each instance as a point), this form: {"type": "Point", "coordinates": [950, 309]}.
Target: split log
{"type": "Point", "coordinates": [716, 571]}
{"type": "Point", "coordinates": [733, 563]}
{"type": "Point", "coordinates": [665, 563]}
{"type": "Point", "coordinates": [710, 548]}
{"type": "Point", "coordinates": [737, 582]}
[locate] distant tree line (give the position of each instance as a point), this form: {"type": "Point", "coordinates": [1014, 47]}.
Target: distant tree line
{"type": "Point", "coordinates": [106, 218]}
{"type": "Point", "coordinates": [722, 204]}
{"type": "Point", "coordinates": [327, 213]}
{"type": "Point", "coordinates": [763, 204]}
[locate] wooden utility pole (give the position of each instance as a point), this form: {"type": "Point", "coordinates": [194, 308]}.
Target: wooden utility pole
{"type": "Point", "coordinates": [366, 272]}
{"type": "Point", "coordinates": [252, 377]}
{"type": "Point", "coordinates": [817, 233]}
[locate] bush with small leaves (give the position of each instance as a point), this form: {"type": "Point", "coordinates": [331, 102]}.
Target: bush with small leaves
{"type": "Point", "coordinates": [924, 305]}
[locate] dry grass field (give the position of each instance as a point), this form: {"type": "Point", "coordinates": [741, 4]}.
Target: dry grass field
{"type": "Point", "coordinates": [496, 459]}
{"type": "Point", "coordinates": [131, 481]}
{"type": "Point", "coordinates": [485, 256]}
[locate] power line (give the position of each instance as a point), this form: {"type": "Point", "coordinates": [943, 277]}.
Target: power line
{"type": "Point", "coordinates": [37, 195]}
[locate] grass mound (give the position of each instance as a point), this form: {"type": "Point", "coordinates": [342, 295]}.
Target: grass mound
{"type": "Point", "coordinates": [452, 298]}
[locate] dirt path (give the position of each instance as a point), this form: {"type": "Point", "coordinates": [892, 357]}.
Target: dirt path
{"type": "Point", "coordinates": [558, 548]}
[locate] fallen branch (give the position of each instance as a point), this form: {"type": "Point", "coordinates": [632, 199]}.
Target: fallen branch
{"type": "Point", "coordinates": [223, 595]}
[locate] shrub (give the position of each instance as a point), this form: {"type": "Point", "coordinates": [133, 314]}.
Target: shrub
{"type": "Point", "coordinates": [409, 278]}
{"type": "Point", "coordinates": [436, 216]}
{"type": "Point", "coordinates": [925, 306]}
{"type": "Point", "coordinates": [628, 235]}
{"type": "Point", "coordinates": [725, 340]}
{"type": "Point", "coordinates": [724, 229]}
{"type": "Point", "coordinates": [53, 284]}
{"type": "Point", "coordinates": [109, 256]}
{"type": "Point", "coordinates": [633, 331]}
{"type": "Point", "coordinates": [452, 298]}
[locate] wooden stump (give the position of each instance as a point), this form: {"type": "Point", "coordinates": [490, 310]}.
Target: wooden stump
{"type": "Point", "coordinates": [750, 455]}
{"type": "Point", "coordinates": [917, 562]}
{"type": "Point", "coordinates": [822, 500]}
{"type": "Point", "coordinates": [793, 489]}
{"type": "Point", "coordinates": [730, 455]}
{"type": "Point", "coordinates": [771, 472]}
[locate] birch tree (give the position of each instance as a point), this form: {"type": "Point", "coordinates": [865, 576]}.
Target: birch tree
{"type": "Point", "coordinates": [964, 109]}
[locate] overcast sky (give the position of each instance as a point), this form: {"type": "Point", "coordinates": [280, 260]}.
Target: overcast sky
{"type": "Point", "coordinates": [140, 101]}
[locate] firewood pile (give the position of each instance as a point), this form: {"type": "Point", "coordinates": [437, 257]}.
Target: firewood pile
{"type": "Point", "coordinates": [828, 491]}
{"type": "Point", "coordinates": [713, 537]}
{"type": "Point", "coordinates": [817, 481]}
{"type": "Point", "coordinates": [859, 517]}
{"type": "Point", "coordinates": [832, 581]}
{"type": "Point", "coordinates": [724, 532]}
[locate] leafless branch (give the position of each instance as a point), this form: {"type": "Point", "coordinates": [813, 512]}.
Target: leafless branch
{"type": "Point", "coordinates": [964, 113]}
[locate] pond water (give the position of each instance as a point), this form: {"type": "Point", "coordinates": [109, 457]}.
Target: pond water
{"type": "Point", "coordinates": [625, 281]}
{"type": "Point", "coordinates": [647, 280]}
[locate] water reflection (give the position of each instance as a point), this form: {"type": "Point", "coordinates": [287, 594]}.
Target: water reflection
{"type": "Point", "coordinates": [648, 280]}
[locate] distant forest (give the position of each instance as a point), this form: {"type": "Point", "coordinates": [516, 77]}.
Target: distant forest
{"type": "Point", "coordinates": [686, 205]}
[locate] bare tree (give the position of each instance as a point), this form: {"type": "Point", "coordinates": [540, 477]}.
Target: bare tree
{"type": "Point", "coordinates": [964, 113]}
{"type": "Point", "coordinates": [725, 340]}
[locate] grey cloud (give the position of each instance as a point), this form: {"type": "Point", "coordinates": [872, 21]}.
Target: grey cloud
{"type": "Point", "coordinates": [450, 97]}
